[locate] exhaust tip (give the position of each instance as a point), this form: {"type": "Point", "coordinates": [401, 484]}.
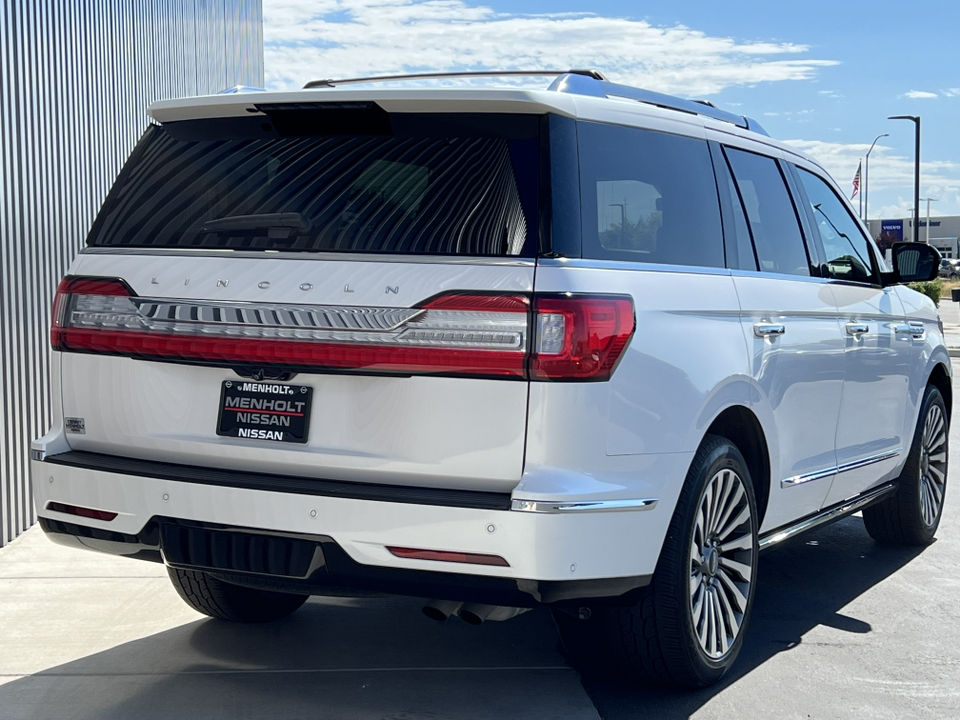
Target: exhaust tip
{"type": "Point", "coordinates": [440, 610]}
{"type": "Point", "coordinates": [470, 618]}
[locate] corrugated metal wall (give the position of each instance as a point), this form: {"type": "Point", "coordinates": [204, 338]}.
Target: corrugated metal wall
{"type": "Point", "coordinates": [75, 80]}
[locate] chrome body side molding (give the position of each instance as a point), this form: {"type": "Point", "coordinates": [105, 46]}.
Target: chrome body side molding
{"type": "Point", "coordinates": [830, 514]}
{"type": "Point", "coordinates": [537, 506]}
{"type": "Point", "coordinates": [827, 472]}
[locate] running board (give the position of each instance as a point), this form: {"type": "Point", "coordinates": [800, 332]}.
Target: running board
{"type": "Point", "coordinates": [825, 516]}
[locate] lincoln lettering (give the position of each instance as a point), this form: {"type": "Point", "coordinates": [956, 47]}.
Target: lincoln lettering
{"type": "Point", "coordinates": [290, 406]}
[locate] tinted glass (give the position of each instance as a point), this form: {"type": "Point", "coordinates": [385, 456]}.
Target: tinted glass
{"type": "Point", "coordinates": [648, 197]}
{"type": "Point", "coordinates": [847, 250]}
{"type": "Point", "coordinates": [452, 194]}
{"type": "Point", "coordinates": [770, 213]}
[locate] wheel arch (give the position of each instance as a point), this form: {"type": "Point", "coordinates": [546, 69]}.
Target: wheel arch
{"type": "Point", "coordinates": [740, 426]}
{"type": "Point", "coordinates": [940, 379]}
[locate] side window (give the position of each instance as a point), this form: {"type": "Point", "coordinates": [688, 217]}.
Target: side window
{"type": "Point", "coordinates": [847, 250]}
{"type": "Point", "coordinates": [770, 213]}
{"type": "Point", "coordinates": [648, 196]}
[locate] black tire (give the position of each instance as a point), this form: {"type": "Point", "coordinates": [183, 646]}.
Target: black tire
{"type": "Point", "coordinates": [225, 601]}
{"type": "Point", "coordinates": [659, 639]}
{"type": "Point", "coordinates": [912, 514]}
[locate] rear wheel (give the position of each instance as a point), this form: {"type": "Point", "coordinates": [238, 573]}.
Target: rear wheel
{"type": "Point", "coordinates": [225, 601]}
{"type": "Point", "coordinates": [912, 514]}
{"type": "Point", "coordinates": [688, 627]}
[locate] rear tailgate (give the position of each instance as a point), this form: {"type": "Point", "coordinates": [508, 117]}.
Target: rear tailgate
{"type": "Point", "coordinates": [436, 424]}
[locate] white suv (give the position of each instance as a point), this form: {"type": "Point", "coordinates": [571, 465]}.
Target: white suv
{"type": "Point", "coordinates": [589, 347]}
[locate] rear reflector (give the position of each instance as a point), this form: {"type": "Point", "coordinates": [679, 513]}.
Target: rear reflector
{"type": "Point", "coordinates": [81, 511]}
{"type": "Point", "coordinates": [444, 556]}
{"type": "Point", "coordinates": [576, 337]}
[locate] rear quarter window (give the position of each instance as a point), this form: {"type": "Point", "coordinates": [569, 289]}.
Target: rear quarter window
{"type": "Point", "coordinates": [648, 196]}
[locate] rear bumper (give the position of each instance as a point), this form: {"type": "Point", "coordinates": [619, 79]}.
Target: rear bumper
{"type": "Point", "coordinates": [553, 557]}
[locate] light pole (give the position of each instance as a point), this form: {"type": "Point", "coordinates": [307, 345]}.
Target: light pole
{"type": "Point", "coordinates": [866, 179]}
{"type": "Point", "coordinates": [916, 173]}
{"type": "Point", "coordinates": [929, 200]}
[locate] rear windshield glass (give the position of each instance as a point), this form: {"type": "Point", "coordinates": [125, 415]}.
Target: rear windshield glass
{"type": "Point", "coordinates": [452, 193]}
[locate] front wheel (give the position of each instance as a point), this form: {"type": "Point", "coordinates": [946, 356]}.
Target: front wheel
{"type": "Point", "coordinates": [912, 514]}
{"type": "Point", "coordinates": [688, 627]}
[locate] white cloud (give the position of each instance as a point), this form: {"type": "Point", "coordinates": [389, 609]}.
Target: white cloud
{"type": "Point", "coordinates": [920, 94]}
{"type": "Point", "coordinates": [951, 92]}
{"type": "Point", "coordinates": [310, 39]}
{"type": "Point", "coordinates": [890, 176]}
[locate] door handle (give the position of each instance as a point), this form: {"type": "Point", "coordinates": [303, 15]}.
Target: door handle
{"type": "Point", "coordinates": [913, 329]}
{"type": "Point", "coordinates": [762, 330]}
{"type": "Point", "coordinates": [857, 329]}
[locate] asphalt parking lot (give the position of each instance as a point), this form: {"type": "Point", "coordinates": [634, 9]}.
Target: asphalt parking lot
{"type": "Point", "coordinates": [842, 628]}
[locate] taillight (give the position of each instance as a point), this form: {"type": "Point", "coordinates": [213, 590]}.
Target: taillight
{"type": "Point", "coordinates": [476, 334]}
{"type": "Point", "coordinates": [580, 337]}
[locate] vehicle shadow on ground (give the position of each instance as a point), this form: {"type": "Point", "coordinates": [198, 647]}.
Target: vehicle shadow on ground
{"type": "Point", "coordinates": [802, 584]}
{"type": "Point", "coordinates": [380, 658]}
{"type": "Point", "coordinates": [335, 658]}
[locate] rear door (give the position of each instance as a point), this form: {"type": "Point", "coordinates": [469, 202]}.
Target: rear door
{"type": "Point", "coordinates": [380, 280]}
{"type": "Point", "coordinates": [789, 323]}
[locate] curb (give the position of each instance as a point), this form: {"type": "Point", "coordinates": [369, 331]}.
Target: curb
{"type": "Point", "coordinates": [954, 351]}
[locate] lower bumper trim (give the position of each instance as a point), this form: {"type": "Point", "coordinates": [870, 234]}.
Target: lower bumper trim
{"type": "Point", "coordinates": [317, 565]}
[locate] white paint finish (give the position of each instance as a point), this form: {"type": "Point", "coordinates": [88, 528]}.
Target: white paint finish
{"type": "Point", "coordinates": [873, 409]}
{"type": "Point", "coordinates": [428, 431]}
{"type": "Point", "coordinates": [798, 379]}
{"type": "Point", "coordinates": [537, 546]}
{"type": "Point", "coordinates": [673, 378]}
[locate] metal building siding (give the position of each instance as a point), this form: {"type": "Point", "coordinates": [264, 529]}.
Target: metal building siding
{"type": "Point", "coordinates": [75, 81]}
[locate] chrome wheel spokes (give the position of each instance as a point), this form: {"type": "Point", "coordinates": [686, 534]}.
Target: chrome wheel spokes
{"type": "Point", "coordinates": [933, 465]}
{"type": "Point", "coordinates": [721, 563]}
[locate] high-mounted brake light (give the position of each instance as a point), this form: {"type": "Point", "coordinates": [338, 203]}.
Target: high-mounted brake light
{"type": "Point", "coordinates": [475, 334]}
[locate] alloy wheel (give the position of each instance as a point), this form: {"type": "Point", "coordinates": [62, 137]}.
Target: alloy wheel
{"type": "Point", "coordinates": [722, 557]}
{"type": "Point", "coordinates": [933, 465]}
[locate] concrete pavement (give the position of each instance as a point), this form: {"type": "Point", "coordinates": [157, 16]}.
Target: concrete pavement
{"type": "Point", "coordinates": [842, 629]}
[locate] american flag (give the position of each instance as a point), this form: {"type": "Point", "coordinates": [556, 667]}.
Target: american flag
{"type": "Point", "coordinates": [856, 181]}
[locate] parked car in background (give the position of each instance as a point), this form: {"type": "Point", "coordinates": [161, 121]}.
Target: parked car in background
{"type": "Point", "coordinates": [589, 348]}
{"type": "Point", "coordinates": [949, 268]}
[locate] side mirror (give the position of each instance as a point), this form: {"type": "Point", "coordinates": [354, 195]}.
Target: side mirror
{"type": "Point", "coordinates": [914, 262]}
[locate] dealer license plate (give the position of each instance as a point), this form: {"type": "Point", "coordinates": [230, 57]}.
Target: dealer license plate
{"type": "Point", "coordinates": [264, 411]}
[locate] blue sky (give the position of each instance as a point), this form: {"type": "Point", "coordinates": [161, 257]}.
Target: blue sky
{"type": "Point", "coordinates": [820, 75]}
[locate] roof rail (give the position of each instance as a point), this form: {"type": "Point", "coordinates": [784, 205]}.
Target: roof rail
{"type": "Point", "coordinates": [577, 82]}
{"type": "Point", "coordinates": [428, 76]}
{"type": "Point", "coordinates": [597, 87]}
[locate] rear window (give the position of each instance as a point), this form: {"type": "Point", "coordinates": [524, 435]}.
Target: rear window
{"type": "Point", "coordinates": [459, 191]}
{"type": "Point", "coordinates": [649, 197]}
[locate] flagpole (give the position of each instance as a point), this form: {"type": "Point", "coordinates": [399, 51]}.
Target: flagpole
{"type": "Point", "coordinates": [860, 194]}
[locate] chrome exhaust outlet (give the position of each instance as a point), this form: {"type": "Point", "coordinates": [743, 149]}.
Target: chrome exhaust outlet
{"type": "Point", "coordinates": [478, 614]}
{"type": "Point", "coordinates": [440, 610]}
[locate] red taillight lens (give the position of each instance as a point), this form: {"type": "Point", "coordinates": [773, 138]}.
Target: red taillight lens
{"type": "Point", "coordinates": [580, 337]}
{"type": "Point", "coordinates": [577, 337]}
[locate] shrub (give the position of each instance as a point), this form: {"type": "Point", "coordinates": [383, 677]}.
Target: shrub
{"type": "Point", "coordinates": [933, 289]}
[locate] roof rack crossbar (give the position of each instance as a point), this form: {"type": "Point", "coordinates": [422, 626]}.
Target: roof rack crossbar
{"type": "Point", "coordinates": [593, 74]}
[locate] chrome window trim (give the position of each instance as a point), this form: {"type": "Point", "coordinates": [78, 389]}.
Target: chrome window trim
{"type": "Point", "coordinates": [837, 469]}
{"type": "Point", "coordinates": [596, 264]}
{"type": "Point", "coordinates": [285, 255]}
{"type": "Point", "coordinates": [538, 506]}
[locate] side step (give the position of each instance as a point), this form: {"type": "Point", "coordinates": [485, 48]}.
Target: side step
{"type": "Point", "coordinates": [834, 512]}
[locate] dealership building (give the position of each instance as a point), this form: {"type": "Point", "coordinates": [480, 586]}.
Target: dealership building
{"type": "Point", "coordinates": [75, 82]}
{"type": "Point", "coordinates": [943, 233]}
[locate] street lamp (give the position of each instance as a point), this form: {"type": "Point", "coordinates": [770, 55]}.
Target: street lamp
{"type": "Point", "coordinates": [866, 179]}
{"type": "Point", "coordinates": [929, 200]}
{"type": "Point", "coordinates": [916, 173]}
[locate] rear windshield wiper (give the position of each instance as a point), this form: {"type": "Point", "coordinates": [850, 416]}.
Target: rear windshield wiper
{"type": "Point", "coordinates": [279, 226]}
